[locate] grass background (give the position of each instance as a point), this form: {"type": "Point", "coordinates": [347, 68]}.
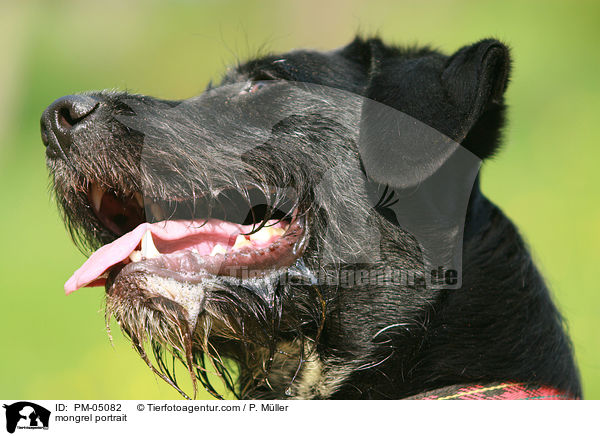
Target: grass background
{"type": "Point", "coordinates": [546, 177]}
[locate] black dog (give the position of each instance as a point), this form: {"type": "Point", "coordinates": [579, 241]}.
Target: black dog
{"type": "Point", "coordinates": [314, 221]}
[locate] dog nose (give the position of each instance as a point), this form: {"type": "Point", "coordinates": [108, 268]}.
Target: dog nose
{"type": "Point", "coordinates": [62, 118]}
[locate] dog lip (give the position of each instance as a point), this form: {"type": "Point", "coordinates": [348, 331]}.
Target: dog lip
{"type": "Point", "coordinates": [146, 281]}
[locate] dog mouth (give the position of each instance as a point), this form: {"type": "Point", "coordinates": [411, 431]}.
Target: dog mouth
{"type": "Point", "coordinates": [241, 235]}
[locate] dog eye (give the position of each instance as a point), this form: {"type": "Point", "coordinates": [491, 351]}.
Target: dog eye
{"type": "Point", "coordinates": [254, 86]}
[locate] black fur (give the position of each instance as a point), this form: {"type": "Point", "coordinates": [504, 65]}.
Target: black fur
{"type": "Point", "coordinates": [290, 332]}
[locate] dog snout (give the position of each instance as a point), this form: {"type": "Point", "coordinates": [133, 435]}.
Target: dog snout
{"type": "Point", "coordinates": [62, 118]}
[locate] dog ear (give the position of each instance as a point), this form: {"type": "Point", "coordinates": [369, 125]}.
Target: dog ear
{"type": "Point", "coordinates": [460, 96]}
{"type": "Point", "coordinates": [440, 102]}
{"type": "Point", "coordinates": [475, 79]}
{"type": "Point", "coordinates": [426, 124]}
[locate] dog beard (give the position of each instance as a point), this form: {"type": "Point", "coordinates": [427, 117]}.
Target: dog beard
{"type": "Point", "coordinates": [247, 330]}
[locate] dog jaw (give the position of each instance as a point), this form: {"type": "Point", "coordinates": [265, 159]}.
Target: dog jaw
{"type": "Point", "coordinates": [141, 286]}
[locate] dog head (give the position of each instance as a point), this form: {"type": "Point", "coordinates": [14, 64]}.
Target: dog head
{"type": "Point", "coordinates": [286, 221]}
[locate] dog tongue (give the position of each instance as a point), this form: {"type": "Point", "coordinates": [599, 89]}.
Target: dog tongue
{"type": "Point", "coordinates": [105, 257]}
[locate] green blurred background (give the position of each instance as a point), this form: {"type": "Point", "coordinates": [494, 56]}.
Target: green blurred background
{"type": "Point", "coordinates": [546, 177]}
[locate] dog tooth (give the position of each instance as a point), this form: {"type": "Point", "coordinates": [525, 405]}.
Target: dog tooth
{"type": "Point", "coordinates": [218, 249]}
{"type": "Point", "coordinates": [96, 193]}
{"type": "Point", "coordinates": [241, 242]}
{"type": "Point", "coordinates": [140, 199]}
{"type": "Point", "coordinates": [278, 231]}
{"type": "Point", "coordinates": [263, 235]}
{"type": "Point", "coordinates": [149, 250]}
{"type": "Point", "coordinates": [157, 211]}
{"type": "Point", "coordinates": [266, 234]}
{"type": "Point", "coordinates": [135, 256]}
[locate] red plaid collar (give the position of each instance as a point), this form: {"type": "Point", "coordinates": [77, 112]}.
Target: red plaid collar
{"type": "Point", "coordinates": [495, 391]}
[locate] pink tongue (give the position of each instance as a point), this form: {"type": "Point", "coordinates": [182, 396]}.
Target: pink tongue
{"type": "Point", "coordinates": [120, 249]}
{"type": "Point", "coordinates": [105, 257]}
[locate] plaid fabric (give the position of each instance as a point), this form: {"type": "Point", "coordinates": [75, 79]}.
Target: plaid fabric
{"type": "Point", "coordinates": [496, 391]}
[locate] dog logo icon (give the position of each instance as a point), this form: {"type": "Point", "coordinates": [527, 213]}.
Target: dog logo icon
{"type": "Point", "coordinates": [26, 415]}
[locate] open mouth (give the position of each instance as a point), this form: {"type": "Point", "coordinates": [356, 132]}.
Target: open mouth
{"type": "Point", "coordinates": [235, 235]}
